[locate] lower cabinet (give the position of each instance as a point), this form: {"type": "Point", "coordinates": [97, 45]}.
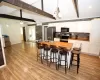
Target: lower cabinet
{"type": "Point", "coordinates": [85, 47]}
{"type": "Point", "coordinates": [88, 47]}
{"type": "Point", "coordinates": [94, 48]}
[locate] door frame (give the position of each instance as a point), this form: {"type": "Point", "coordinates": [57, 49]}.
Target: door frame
{"type": "Point", "coordinates": [3, 53]}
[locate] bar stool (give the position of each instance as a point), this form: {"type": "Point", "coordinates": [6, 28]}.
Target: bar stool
{"type": "Point", "coordinates": [76, 54]}
{"type": "Point", "coordinates": [45, 52]}
{"type": "Point", "coordinates": [53, 55]}
{"type": "Point", "coordinates": [39, 48]}
{"type": "Point", "coordinates": [62, 52]}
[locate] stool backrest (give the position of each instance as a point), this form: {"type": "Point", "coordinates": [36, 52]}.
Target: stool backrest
{"type": "Point", "coordinates": [39, 45]}
{"type": "Point", "coordinates": [45, 45]}
{"type": "Point", "coordinates": [77, 45]}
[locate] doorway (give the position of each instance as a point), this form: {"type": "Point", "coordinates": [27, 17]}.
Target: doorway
{"type": "Point", "coordinates": [23, 34]}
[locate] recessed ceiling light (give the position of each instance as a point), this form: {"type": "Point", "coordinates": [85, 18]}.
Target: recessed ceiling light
{"type": "Point", "coordinates": [90, 7]}
{"type": "Point", "coordinates": [7, 25]}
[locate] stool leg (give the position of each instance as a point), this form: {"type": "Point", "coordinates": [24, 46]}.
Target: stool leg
{"type": "Point", "coordinates": [58, 61]}
{"type": "Point", "coordinates": [37, 54]}
{"type": "Point", "coordinates": [47, 56]}
{"type": "Point", "coordinates": [43, 54]}
{"type": "Point", "coordinates": [41, 57]}
{"type": "Point", "coordinates": [65, 63]}
{"type": "Point", "coordinates": [78, 62]}
{"type": "Point", "coordinates": [53, 57]}
{"type": "Point", "coordinates": [50, 59]}
{"type": "Point", "coordinates": [72, 59]}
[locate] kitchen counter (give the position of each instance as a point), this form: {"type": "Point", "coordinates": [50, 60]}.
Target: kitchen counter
{"type": "Point", "coordinates": [80, 39]}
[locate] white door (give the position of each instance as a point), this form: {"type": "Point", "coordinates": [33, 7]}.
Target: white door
{"type": "Point", "coordinates": [32, 35]}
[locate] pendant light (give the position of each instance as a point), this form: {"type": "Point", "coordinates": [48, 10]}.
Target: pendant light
{"type": "Point", "coordinates": [57, 13]}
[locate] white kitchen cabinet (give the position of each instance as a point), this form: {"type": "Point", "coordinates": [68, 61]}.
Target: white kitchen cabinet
{"type": "Point", "coordinates": [84, 26]}
{"type": "Point", "coordinates": [94, 48]}
{"type": "Point", "coordinates": [88, 47]}
{"type": "Point", "coordinates": [56, 39]}
{"type": "Point", "coordinates": [95, 31]}
{"type": "Point", "coordinates": [84, 47]}
{"type": "Point", "coordinates": [71, 41]}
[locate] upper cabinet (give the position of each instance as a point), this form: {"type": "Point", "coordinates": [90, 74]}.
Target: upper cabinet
{"type": "Point", "coordinates": [84, 26]}
{"type": "Point", "coordinates": [79, 26]}
{"type": "Point", "coordinates": [95, 31]}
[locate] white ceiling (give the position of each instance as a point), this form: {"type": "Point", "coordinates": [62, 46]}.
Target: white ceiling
{"type": "Point", "coordinates": [6, 9]}
{"type": "Point", "coordinates": [87, 8]}
{"type": "Point", "coordinates": [16, 12]}
{"type": "Point", "coordinates": [67, 8]}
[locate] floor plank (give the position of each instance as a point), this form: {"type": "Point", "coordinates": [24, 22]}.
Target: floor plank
{"type": "Point", "coordinates": [22, 65]}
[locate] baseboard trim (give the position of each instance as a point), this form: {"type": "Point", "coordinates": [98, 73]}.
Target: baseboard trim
{"type": "Point", "coordinates": [91, 54]}
{"type": "Point", "coordinates": [2, 66]}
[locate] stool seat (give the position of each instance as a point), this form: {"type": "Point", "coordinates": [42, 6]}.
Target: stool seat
{"type": "Point", "coordinates": [75, 52]}
{"type": "Point", "coordinates": [40, 47]}
{"type": "Point", "coordinates": [54, 50]}
{"type": "Point", "coordinates": [63, 52]}
{"type": "Point", "coordinates": [47, 48]}
{"type": "Point", "coordinates": [77, 49]}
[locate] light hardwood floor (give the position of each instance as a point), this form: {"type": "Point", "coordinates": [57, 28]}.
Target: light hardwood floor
{"type": "Point", "coordinates": [22, 65]}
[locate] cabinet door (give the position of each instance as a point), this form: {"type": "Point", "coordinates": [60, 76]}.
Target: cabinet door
{"type": "Point", "coordinates": [85, 47]}
{"type": "Point", "coordinates": [94, 49]}
{"type": "Point", "coordinates": [50, 33]}
{"type": "Point", "coordinates": [84, 26]}
{"type": "Point", "coordinates": [95, 31]}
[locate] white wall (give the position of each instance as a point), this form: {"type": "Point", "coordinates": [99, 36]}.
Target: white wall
{"type": "Point", "coordinates": [94, 46]}
{"type": "Point", "coordinates": [93, 27]}
{"type": "Point", "coordinates": [13, 30]}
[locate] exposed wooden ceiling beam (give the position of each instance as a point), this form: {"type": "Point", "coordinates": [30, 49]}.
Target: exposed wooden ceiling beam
{"type": "Point", "coordinates": [28, 7]}
{"type": "Point", "coordinates": [1, 0]}
{"type": "Point", "coordinates": [42, 5]}
{"type": "Point", "coordinates": [21, 13]}
{"type": "Point", "coordinates": [16, 18]}
{"type": "Point", "coordinates": [73, 20]}
{"type": "Point", "coordinates": [75, 2]}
